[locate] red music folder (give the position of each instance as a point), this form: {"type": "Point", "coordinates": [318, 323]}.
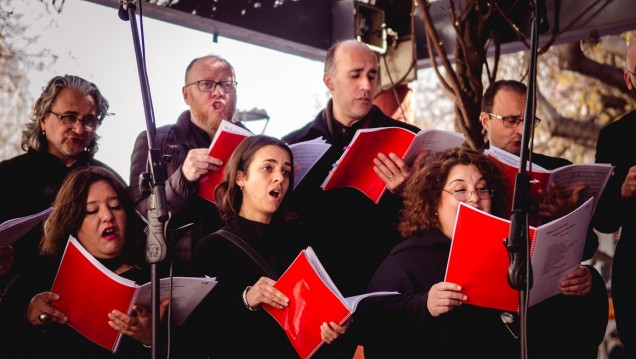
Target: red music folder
{"type": "Point", "coordinates": [313, 300]}
{"type": "Point", "coordinates": [479, 260]}
{"type": "Point", "coordinates": [89, 291]}
{"type": "Point", "coordinates": [355, 166]}
{"type": "Point", "coordinates": [594, 175]}
{"type": "Point", "coordinates": [227, 137]}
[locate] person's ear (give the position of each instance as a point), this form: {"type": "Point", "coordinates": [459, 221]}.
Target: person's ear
{"type": "Point", "coordinates": [628, 80]}
{"type": "Point", "coordinates": [186, 95]}
{"type": "Point", "coordinates": [483, 118]}
{"type": "Point", "coordinates": [240, 179]}
{"type": "Point", "coordinates": [326, 78]}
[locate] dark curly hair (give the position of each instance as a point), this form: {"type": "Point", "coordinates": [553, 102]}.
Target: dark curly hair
{"type": "Point", "coordinates": [422, 191]}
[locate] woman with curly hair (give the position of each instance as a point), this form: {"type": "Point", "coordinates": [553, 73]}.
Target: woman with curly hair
{"type": "Point", "coordinates": [429, 317]}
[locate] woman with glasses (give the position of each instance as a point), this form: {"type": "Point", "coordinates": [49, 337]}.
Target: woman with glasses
{"type": "Point", "coordinates": [59, 137]}
{"type": "Point", "coordinates": [428, 317]}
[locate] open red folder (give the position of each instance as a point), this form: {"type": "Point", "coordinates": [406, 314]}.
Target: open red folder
{"type": "Point", "coordinates": [355, 166]}
{"type": "Point", "coordinates": [227, 137]}
{"type": "Point", "coordinates": [594, 175]}
{"type": "Point", "coordinates": [89, 291]}
{"type": "Point", "coordinates": [479, 260]}
{"type": "Point", "coordinates": [313, 300]}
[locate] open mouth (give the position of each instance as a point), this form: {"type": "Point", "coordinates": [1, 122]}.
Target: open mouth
{"type": "Point", "coordinates": [109, 232]}
{"type": "Point", "coordinates": [275, 193]}
{"type": "Point", "coordinates": [217, 105]}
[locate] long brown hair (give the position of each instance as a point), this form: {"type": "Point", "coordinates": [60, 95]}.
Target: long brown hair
{"type": "Point", "coordinates": [70, 209]}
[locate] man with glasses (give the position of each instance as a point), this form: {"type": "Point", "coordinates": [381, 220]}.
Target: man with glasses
{"type": "Point", "coordinates": [557, 322]}
{"type": "Point", "coordinates": [210, 92]}
{"type": "Point", "coordinates": [59, 137]}
{"type": "Point", "coordinates": [617, 208]}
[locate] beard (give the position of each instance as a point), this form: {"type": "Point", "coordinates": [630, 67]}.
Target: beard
{"type": "Point", "coordinates": [212, 120]}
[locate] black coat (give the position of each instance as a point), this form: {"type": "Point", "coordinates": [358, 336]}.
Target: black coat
{"type": "Point", "coordinates": [614, 212]}
{"type": "Point", "coordinates": [21, 339]}
{"type": "Point", "coordinates": [348, 231]}
{"type": "Point", "coordinates": [222, 326]}
{"type": "Point", "coordinates": [31, 182]}
{"type": "Point", "coordinates": [402, 327]}
{"type": "Point", "coordinates": [188, 209]}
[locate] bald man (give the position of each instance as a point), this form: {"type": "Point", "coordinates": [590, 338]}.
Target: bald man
{"type": "Point", "coordinates": [349, 232]}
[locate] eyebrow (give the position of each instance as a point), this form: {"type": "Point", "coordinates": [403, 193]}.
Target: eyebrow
{"type": "Point", "coordinates": [274, 161]}
{"type": "Point", "coordinates": [463, 181]}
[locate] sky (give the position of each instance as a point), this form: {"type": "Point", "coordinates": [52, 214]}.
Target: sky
{"type": "Point", "coordinates": [94, 43]}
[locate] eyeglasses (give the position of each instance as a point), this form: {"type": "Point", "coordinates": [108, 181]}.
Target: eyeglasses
{"type": "Point", "coordinates": [513, 121]}
{"type": "Point", "coordinates": [210, 86]}
{"type": "Point", "coordinates": [463, 195]}
{"type": "Point", "coordinates": [89, 122]}
{"type": "Point", "coordinates": [633, 74]}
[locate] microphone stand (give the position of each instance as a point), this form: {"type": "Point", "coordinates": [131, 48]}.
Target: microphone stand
{"type": "Point", "coordinates": [157, 215]}
{"type": "Point", "coordinates": [517, 243]}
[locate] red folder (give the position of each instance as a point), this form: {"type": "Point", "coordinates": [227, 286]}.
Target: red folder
{"type": "Point", "coordinates": [313, 300]}
{"type": "Point", "coordinates": [101, 291]}
{"type": "Point", "coordinates": [228, 136]}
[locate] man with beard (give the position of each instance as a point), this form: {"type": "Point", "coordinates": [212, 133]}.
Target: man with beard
{"type": "Point", "coordinates": [617, 207]}
{"type": "Point", "coordinates": [210, 92]}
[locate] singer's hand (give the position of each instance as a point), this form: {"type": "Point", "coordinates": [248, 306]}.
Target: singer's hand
{"type": "Point", "coordinates": [264, 292]}
{"type": "Point", "coordinates": [577, 282]}
{"type": "Point", "coordinates": [393, 170]}
{"type": "Point", "coordinates": [331, 331]}
{"type": "Point", "coordinates": [556, 204]}
{"type": "Point", "coordinates": [628, 189]}
{"type": "Point", "coordinates": [198, 163]}
{"type": "Point", "coordinates": [443, 297]}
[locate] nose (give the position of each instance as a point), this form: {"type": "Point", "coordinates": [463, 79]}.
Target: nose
{"type": "Point", "coordinates": [278, 176]}
{"type": "Point", "coordinates": [218, 90]}
{"type": "Point", "coordinates": [79, 128]}
{"type": "Point", "coordinates": [474, 199]}
{"type": "Point", "coordinates": [106, 214]}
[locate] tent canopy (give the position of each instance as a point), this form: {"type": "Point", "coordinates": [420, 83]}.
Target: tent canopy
{"type": "Point", "coordinates": [308, 27]}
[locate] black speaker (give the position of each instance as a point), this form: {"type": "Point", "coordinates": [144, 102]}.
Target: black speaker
{"type": "Point", "coordinates": [360, 21]}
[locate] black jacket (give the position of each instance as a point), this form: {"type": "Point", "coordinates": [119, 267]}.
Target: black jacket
{"type": "Point", "coordinates": [614, 212]}
{"type": "Point", "coordinates": [31, 182]}
{"type": "Point", "coordinates": [175, 141]}
{"type": "Point", "coordinates": [402, 327]}
{"type": "Point", "coordinates": [349, 232]}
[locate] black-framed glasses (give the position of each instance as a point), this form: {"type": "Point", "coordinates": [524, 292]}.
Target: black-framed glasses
{"type": "Point", "coordinates": [463, 195]}
{"type": "Point", "coordinates": [210, 86]}
{"type": "Point", "coordinates": [70, 120]}
{"type": "Point", "coordinates": [513, 121]}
